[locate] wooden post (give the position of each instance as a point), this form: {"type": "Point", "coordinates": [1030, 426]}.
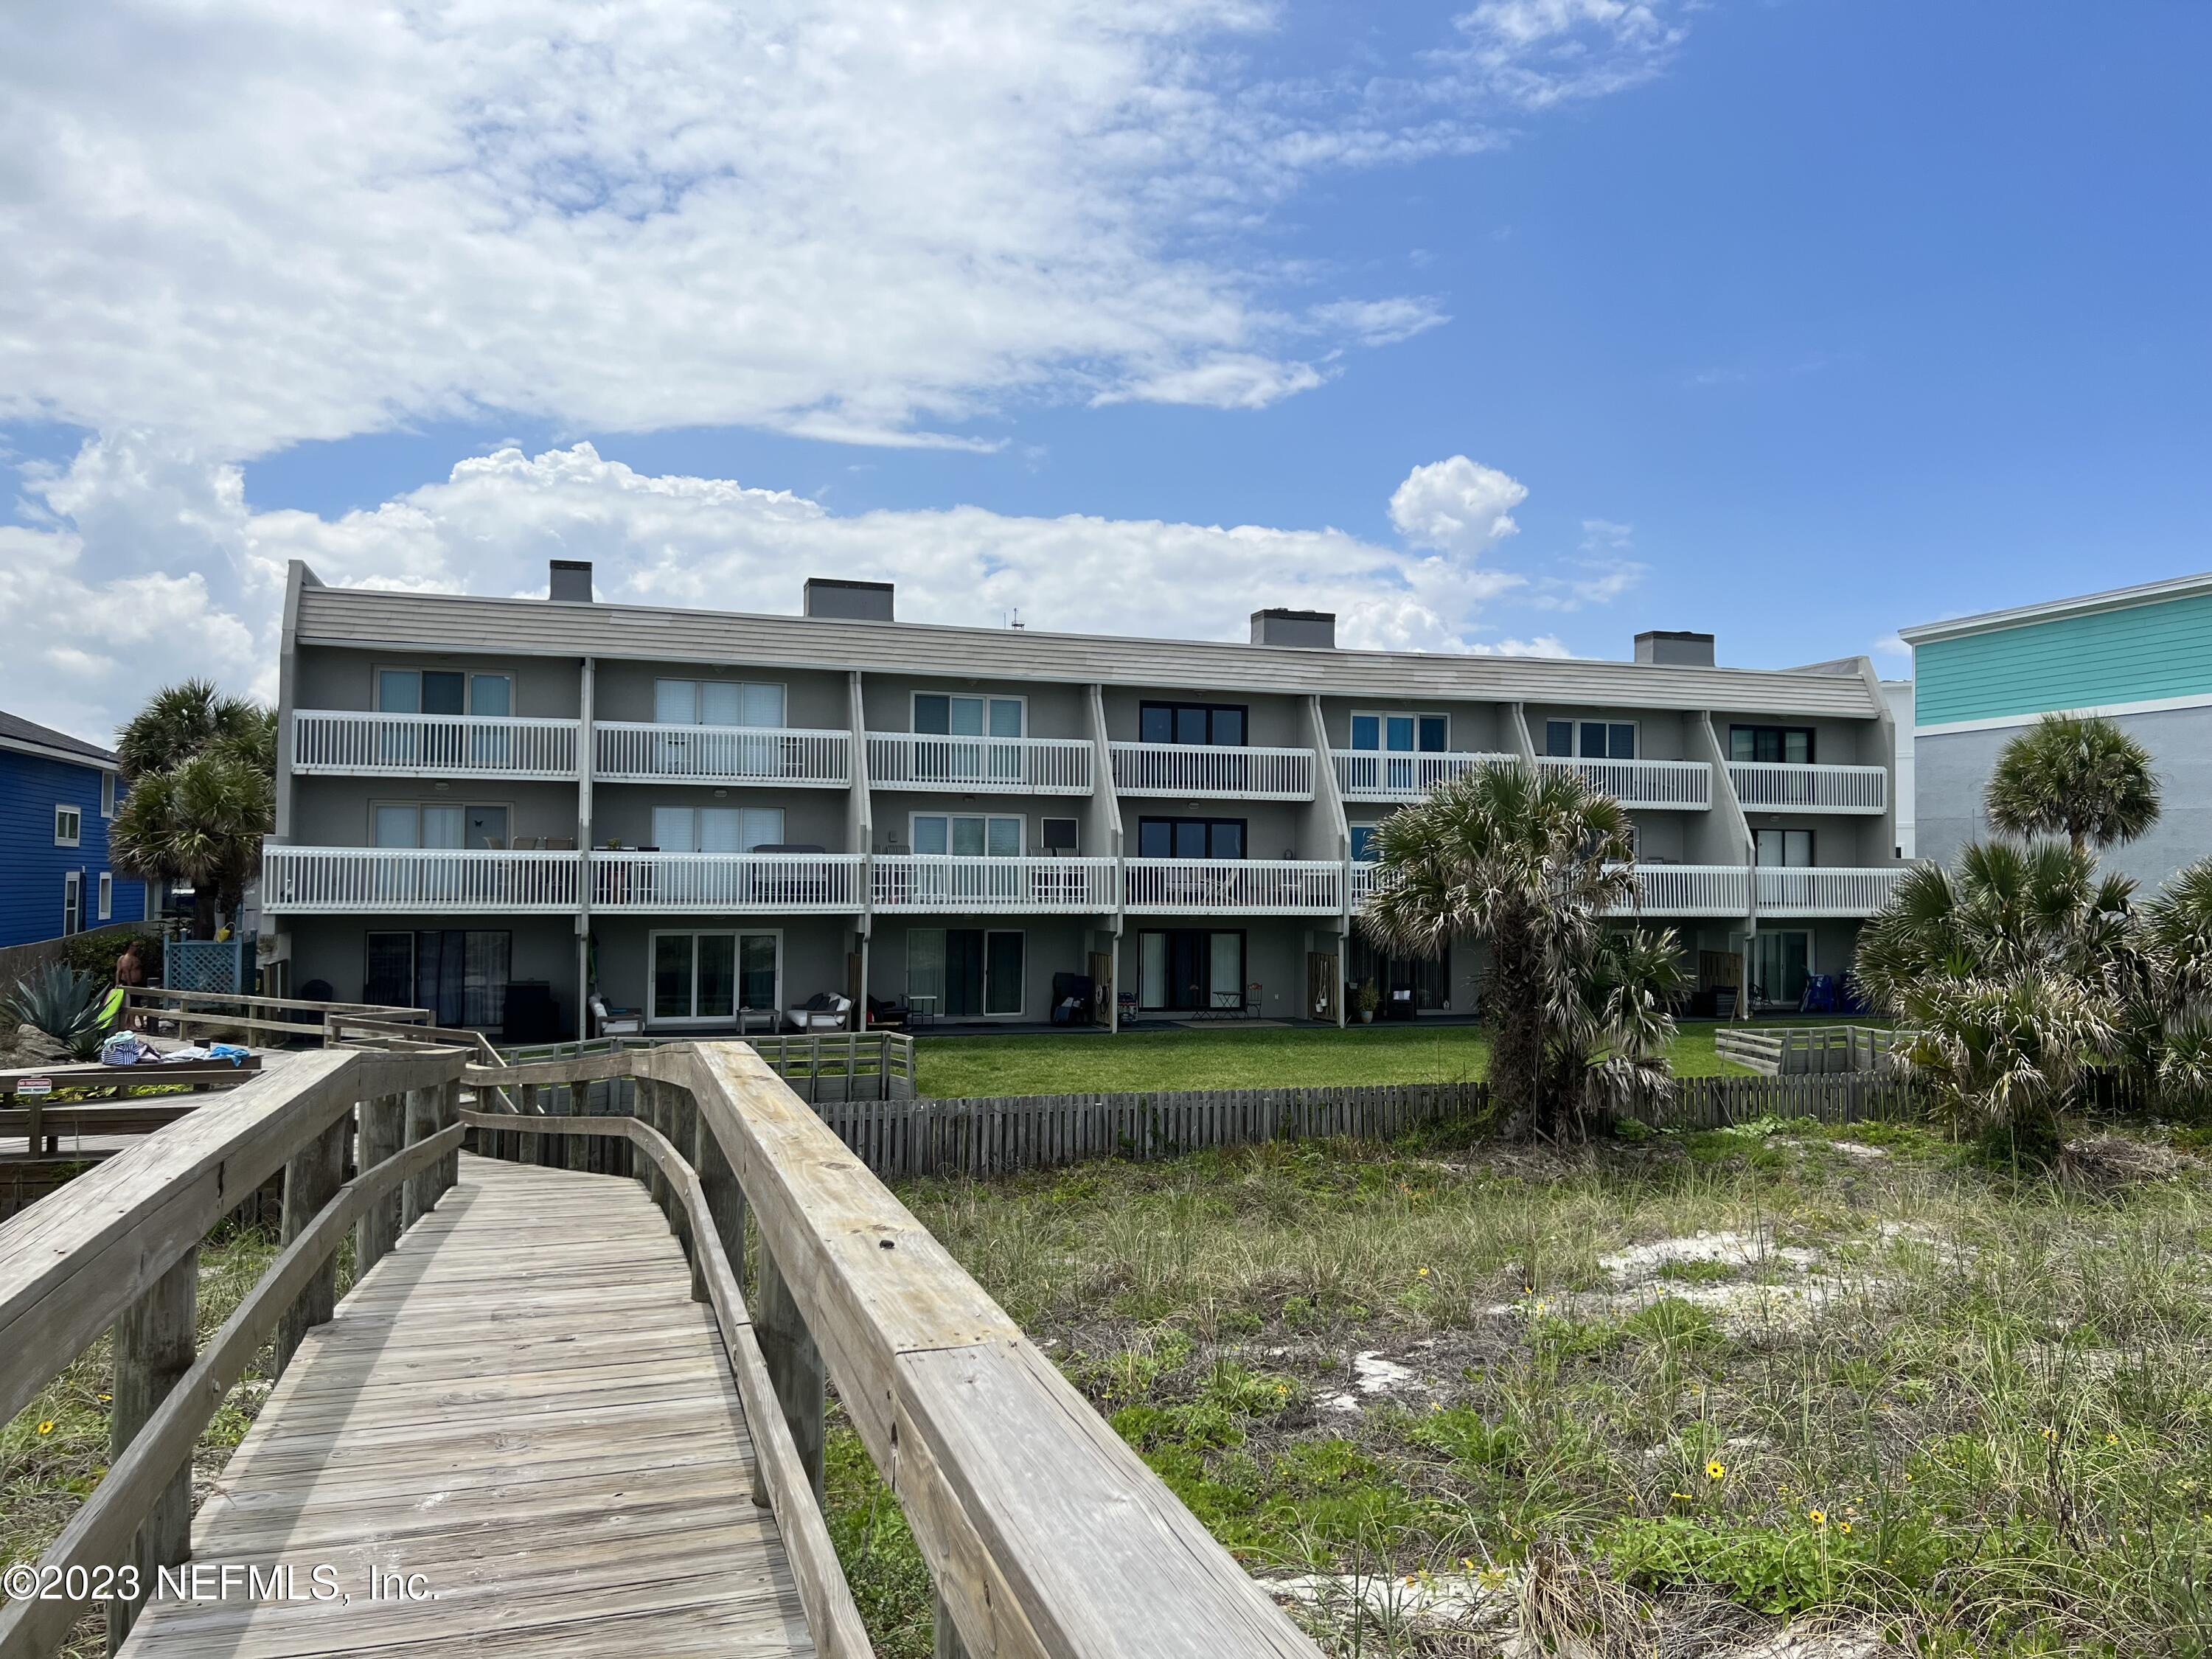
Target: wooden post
{"type": "Point", "coordinates": [312, 1178]}
{"type": "Point", "coordinates": [726, 1200]}
{"type": "Point", "coordinates": [794, 1368]}
{"type": "Point", "coordinates": [421, 1190]}
{"type": "Point", "coordinates": [383, 1132]}
{"type": "Point", "coordinates": [579, 1101]}
{"type": "Point", "coordinates": [949, 1644]}
{"type": "Point", "coordinates": [156, 1341]}
{"type": "Point", "coordinates": [521, 1148]}
{"type": "Point", "coordinates": [449, 1113]}
{"type": "Point", "coordinates": [683, 1135]}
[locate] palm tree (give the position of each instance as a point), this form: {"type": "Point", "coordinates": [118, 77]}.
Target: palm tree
{"type": "Point", "coordinates": [199, 823]}
{"type": "Point", "coordinates": [180, 721]}
{"type": "Point", "coordinates": [1528, 864]}
{"type": "Point", "coordinates": [2076, 775]}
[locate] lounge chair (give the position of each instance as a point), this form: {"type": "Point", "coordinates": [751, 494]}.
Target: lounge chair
{"type": "Point", "coordinates": [825, 1010]}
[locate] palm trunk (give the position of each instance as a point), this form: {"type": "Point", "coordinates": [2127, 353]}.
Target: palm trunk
{"type": "Point", "coordinates": [1516, 1057]}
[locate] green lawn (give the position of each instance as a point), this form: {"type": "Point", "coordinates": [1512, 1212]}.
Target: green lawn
{"type": "Point", "coordinates": [1265, 1057]}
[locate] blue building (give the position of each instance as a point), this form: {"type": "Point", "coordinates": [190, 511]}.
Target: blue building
{"type": "Point", "coordinates": [58, 795]}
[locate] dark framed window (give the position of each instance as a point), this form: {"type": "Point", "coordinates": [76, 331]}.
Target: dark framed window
{"type": "Point", "coordinates": [1771, 742]}
{"type": "Point", "coordinates": [1190, 838]}
{"type": "Point", "coordinates": [1220, 725]}
{"type": "Point", "coordinates": [1590, 739]}
{"type": "Point", "coordinates": [460, 974]}
{"type": "Point", "coordinates": [1191, 970]}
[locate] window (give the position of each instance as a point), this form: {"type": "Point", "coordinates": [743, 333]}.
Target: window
{"type": "Point", "coordinates": [1771, 742]}
{"type": "Point", "coordinates": [106, 896]}
{"type": "Point", "coordinates": [1427, 734]}
{"type": "Point", "coordinates": [717, 703]}
{"type": "Point", "coordinates": [107, 794]}
{"type": "Point", "coordinates": [438, 825]}
{"type": "Point", "coordinates": [937, 714]}
{"type": "Point", "coordinates": [1062, 835]}
{"type": "Point", "coordinates": [966, 973]}
{"type": "Point", "coordinates": [1428, 979]}
{"type": "Point", "coordinates": [1190, 968]}
{"type": "Point", "coordinates": [69, 825]}
{"type": "Point", "coordinates": [443, 691]}
{"type": "Point", "coordinates": [1221, 724]}
{"type": "Point", "coordinates": [1785, 849]}
{"type": "Point", "coordinates": [967, 836]}
{"type": "Point", "coordinates": [1190, 838]}
{"type": "Point", "coordinates": [460, 974]}
{"type": "Point", "coordinates": [72, 901]}
{"type": "Point", "coordinates": [703, 978]}
{"type": "Point", "coordinates": [1591, 739]}
{"type": "Point", "coordinates": [1363, 841]}
{"type": "Point", "coordinates": [1780, 965]}
{"type": "Point", "coordinates": [716, 829]}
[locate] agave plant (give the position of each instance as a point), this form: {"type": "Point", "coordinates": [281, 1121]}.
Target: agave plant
{"type": "Point", "coordinates": [61, 1002]}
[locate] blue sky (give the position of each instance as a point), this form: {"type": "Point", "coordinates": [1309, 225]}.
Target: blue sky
{"type": "Point", "coordinates": [1798, 320]}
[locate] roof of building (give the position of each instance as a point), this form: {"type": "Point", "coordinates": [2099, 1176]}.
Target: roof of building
{"type": "Point", "coordinates": [2117, 599]}
{"type": "Point", "coordinates": [383, 618]}
{"type": "Point", "coordinates": [29, 737]}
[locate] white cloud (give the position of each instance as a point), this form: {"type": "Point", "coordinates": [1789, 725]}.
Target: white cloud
{"type": "Point", "coordinates": [1457, 505]}
{"type": "Point", "coordinates": [247, 224]}
{"type": "Point", "coordinates": [1537, 53]}
{"type": "Point", "coordinates": [1892, 644]}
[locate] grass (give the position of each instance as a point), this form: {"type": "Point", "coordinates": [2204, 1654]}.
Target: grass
{"type": "Point", "coordinates": [1971, 1414]}
{"type": "Point", "coordinates": [1264, 1058]}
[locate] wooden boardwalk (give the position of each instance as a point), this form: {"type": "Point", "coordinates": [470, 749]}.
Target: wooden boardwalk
{"type": "Point", "coordinates": [523, 1405]}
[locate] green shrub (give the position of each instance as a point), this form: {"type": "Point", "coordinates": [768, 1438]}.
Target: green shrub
{"type": "Point", "coordinates": [61, 1003]}
{"type": "Point", "coordinates": [95, 953]}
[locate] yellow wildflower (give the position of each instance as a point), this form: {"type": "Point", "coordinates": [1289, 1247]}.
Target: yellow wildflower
{"type": "Point", "coordinates": [1846, 1525]}
{"type": "Point", "coordinates": [1716, 1469]}
{"type": "Point", "coordinates": [1424, 1273]}
{"type": "Point", "coordinates": [46, 1427]}
{"type": "Point", "coordinates": [1818, 1517]}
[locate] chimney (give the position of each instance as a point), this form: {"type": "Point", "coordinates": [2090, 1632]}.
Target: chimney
{"type": "Point", "coordinates": [828, 596]}
{"type": "Point", "coordinates": [1674, 650]}
{"type": "Point", "coordinates": [570, 581]}
{"type": "Point", "coordinates": [1314, 629]}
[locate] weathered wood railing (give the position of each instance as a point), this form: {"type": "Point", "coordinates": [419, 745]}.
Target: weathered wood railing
{"type": "Point", "coordinates": [42, 1121]}
{"type": "Point", "coordinates": [1046, 1535]}
{"type": "Point", "coordinates": [118, 1247]}
{"type": "Point", "coordinates": [272, 1017]}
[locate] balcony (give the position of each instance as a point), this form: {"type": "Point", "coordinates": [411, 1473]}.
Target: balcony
{"type": "Point", "coordinates": [1233, 887]}
{"type": "Point", "coordinates": [1681, 786]}
{"type": "Point", "coordinates": [335, 743]}
{"type": "Point", "coordinates": [630, 752]}
{"type": "Point", "coordinates": [1022, 886]}
{"type": "Point", "coordinates": [1692, 889]}
{"type": "Point", "coordinates": [1197, 771]}
{"type": "Point", "coordinates": [1792, 786]}
{"type": "Point", "coordinates": [727, 884]}
{"type": "Point", "coordinates": [1374, 774]}
{"type": "Point", "coordinates": [1836, 892]}
{"type": "Point", "coordinates": [1035, 766]}
{"type": "Point", "coordinates": [303, 881]}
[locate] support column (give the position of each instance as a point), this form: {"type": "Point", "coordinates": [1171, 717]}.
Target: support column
{"type": "Point", "coordinates": [383, 1133]}
{"type": "Point", "coordinates": [312, 1176]}
{"type": "Point", "coordinates": [449, 1114]}
{"type": "Point", "coordinates": [155, 1342]}
{"type": "Point", "coordinates": [580, 1103]}
{"type": "Point", "coordinates": [420, 1189]}
{"type": "Point", "coordinates": [794, 1368]}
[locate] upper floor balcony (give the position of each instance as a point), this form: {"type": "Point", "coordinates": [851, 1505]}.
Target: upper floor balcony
{"type": "Point", "coordinates": [1035, 766]}
{"type": "Point", "coordinates": [1225, 887]}
{"type": "Point", "coordinates": [415, 880]}
{"type": "Point", "coordinates": [715, 884]}
{"type": "Point", "coordinates": [1199, 771]}
{"type": "Point", "coordinates": [1030, 886]}
{"type": "Point", "coordinates": [343, 742]}
{"type": "Point", "coordinates": [1835, 890]}
{"type": "Point", "coordinates": [637, 751]}
{"type": "Point", "coordinates": [1801, 786]}
{"type": "Point", "coordinates": [1661, 785]}
{"type": "Point", "coordinates": [1396, 775]}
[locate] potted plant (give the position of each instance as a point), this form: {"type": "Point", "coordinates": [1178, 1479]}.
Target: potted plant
{"type": "Point", "coordinates": [1367, 998]}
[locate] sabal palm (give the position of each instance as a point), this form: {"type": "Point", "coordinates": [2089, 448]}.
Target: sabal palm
{"type": "Point", "coordinates": [2076, 775]}
{"type": "Point", "coordinates": [1528, 863]}
{"type": "Point", "coordinates": [188, 719]}
{"type": "Point", "coordinates": [199, 823]}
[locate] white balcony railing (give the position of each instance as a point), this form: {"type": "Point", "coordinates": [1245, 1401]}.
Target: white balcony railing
{"type": "Point", "coordinates": [716, 883]}
{"type": "Point", "coordinates": [1791, 787]}
{"type": "Point", "coordinates": [636, 751]}
{"type": "Point", "coordinates": [1384, 774]}
{"type": "Point", "coordinates": [1039, 766]}
{"type": "Point", "coordinates": [432, 745]}
{"type": "Point", "coordinates": [1251, 887]}
{"type": "Point", "coordinates": [1684, 785]}
{"type": "Point", "coordinates": [922, 881]}
{"type": "Point", "coordinates": [336, 880]}
{"type": "Point", "coordinates": [1834, 891]}
{"type": "Point", "coordinates": [1197, 770]}
{"type": "Point", "coordinates": [1693, 890]}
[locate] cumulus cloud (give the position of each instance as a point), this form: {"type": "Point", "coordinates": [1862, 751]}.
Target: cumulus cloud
{"type": "Point", "coordinates": [490, 525]}
{"type": "Point", "coordinates": [1457, 505]}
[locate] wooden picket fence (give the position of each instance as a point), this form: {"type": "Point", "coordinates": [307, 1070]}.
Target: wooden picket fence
{"type": "Point", "coordinates": [1717, 1103]}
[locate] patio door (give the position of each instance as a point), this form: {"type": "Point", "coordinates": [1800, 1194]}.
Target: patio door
{"type": "Point", "coordinates": [1394, 739]}
{"type": "Point", "coordinates": [972, 973]}
{"type": "Point", "coordinates": [1190, 969]}
{"type": "Point", "coordinates": [1781, 962]}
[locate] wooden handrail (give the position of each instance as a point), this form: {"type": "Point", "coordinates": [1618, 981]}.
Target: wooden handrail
{"type": "Point", "coordinates": [831, 1614]}
{"type": "Point", "coordinates": [101, 1531]}
{"type": "Point", "coordinates": [376, 1010]}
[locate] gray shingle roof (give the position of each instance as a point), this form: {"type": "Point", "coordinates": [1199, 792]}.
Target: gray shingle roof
{"type": "Point", "coordinates": [15, 729]}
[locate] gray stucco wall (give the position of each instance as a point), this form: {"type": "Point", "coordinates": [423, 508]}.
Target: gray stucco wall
{"type": "Point", "coordinates": [1952, 769]}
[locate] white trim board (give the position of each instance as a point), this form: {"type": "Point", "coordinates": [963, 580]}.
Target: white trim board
{"type": "Point", "coordinates": [2000, 722]}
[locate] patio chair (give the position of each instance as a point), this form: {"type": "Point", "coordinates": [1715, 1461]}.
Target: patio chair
{"type": "Point", "coordinates": [825, 1011]}
{"type": "Point", "coordinates": [526, 843]}
{"type": "Point", "coordinates": [888, 1016]}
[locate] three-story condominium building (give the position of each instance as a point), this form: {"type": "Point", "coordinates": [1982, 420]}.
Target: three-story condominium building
{"type": "Point", "coordinates": [497, 808]}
